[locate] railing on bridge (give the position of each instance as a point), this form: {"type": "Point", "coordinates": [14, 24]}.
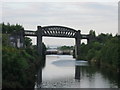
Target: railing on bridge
{"type": "Point", "coordinates": [58, 31]}
{"type": "Point", "coordinates": [59, 52]}
{"type": "Point", "coordinates": [30, 33]}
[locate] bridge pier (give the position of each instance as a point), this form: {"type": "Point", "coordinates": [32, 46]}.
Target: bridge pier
{"type": "Point", "coordinates": [77, 72]}
{"type": "Point", "coordinates": [22, 41]}
{"type": "Point", "coordinates": [39, 40]}
{"type": "Point", "coordinates": [77, 46]}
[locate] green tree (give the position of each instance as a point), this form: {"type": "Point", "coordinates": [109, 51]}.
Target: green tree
{"type": "Point", "coordinates": [92, 32]}
{"type": "Point", "coordinates": [19, 66]}
{"type": "Point", "coordinates": [8, 29]}
{"type": "Point", "coordinates": [28, 42]}
{"type": "Point", "coordinates": [105, 50]}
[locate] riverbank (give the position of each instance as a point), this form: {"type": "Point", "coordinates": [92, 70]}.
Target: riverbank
{"type": "Point", "coordinates": [104, 51]}
{"type": "Point", "coordinates": [104, 65]}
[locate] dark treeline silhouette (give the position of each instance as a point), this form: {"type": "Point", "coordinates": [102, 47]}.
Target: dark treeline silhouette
{"type": "Point", "coordinates": [104, 50]}
{"type": "Point", "coordinates": [19, 65]}
{"type": "Point", "coordinates": [8, 28]}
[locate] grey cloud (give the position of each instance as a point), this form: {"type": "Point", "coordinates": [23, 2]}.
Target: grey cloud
{"type": "Point", "coordinates": [99, 16]}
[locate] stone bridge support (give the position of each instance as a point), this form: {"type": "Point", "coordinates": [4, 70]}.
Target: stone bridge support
{"type": "Point", "coordinates": [77, 72]}
{"type": "Point", "coordinates": [39, 40]}
{"type": "Point", "coordinates": [77, 44]}
{"type": "Point", "coordinates": [22, 39]}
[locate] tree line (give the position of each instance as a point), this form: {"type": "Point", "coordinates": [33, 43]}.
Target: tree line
{"type": "Point", "coordinates": [19, 65]}
{"type": "Point", "coordinates": [104, 50]}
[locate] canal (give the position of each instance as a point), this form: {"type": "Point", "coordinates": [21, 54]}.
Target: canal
{"type": "Point", "coordinates": [63, 71]}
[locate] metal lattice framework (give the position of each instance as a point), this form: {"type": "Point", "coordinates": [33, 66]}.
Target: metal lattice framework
{"type": "Point", "coordinates": [58, 31]}
{"type": "Point", "coordinates": [55, 31]}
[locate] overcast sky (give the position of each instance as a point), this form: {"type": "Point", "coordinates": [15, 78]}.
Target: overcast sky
{"type": "Point", "coordinates": [99, 16]}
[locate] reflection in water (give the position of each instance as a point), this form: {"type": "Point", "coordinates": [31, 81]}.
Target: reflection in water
{"type": "Point", "coordinates": [119, 80]}
{"type": "Point", "coordinates": [77, 72]}
{"type": "Point", "coordinates": [78, 68]}
{"type": "Point", "coordinates": [64, 72]}
{"type": "Point", "coordinates": [39, 74]}
{"type": "Point", "coordinates": [39, 77]}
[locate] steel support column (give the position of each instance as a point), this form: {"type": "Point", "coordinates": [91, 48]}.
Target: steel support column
{"type": "Point", "coordinates": [39, 40]}
{"type": "Point", "coordinates": [22, 39]}
{"type": "Point", "coordinates": [77, 46]}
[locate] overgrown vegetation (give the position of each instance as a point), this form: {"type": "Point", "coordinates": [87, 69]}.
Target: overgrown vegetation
{"type": "Point", "coordinates": [104, 50]}
{"type": "Point", "coordinates": [8, 29]}
{"type": "Point", "coordinates": [19, 66]}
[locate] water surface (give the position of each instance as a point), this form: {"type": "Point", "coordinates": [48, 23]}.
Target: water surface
{"type": "Point", "coordinates": [62, 71]}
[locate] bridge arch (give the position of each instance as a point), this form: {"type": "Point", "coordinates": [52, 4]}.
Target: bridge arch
{"type": "Point", "coordinates": [58, 31]}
